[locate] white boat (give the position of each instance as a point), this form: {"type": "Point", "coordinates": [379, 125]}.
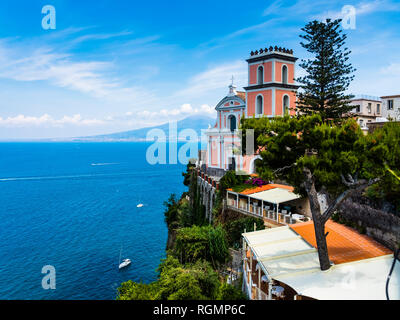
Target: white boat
{"type": "Point", "coordinates": [140, 205]}
{"type": "Point", "coordinates": [124, 263]}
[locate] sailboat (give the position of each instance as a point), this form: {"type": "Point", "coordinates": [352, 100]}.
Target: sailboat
{"type": "Point", "coordinates": [140, 204]}
{"type": "Point", "coordinates": [124, 263]}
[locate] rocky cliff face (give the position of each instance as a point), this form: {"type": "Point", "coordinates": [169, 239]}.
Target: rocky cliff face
{"type": "Point", "coordinates": [171, 238]}
{"type": "Point", "coordinates": [379, 224]}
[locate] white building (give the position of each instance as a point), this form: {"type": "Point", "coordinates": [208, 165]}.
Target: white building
{"type": "Point", "coordinates": [367, 109]}
{"type": "Point", "coordinates": [391, 107]}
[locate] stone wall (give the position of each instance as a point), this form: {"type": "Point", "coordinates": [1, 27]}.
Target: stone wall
{"type": "Point", "coordinates": [208, 196]}
{"type": "Point", "coordinates": [380, 225]}
{"type": "Point", "coordinates": [214, 172]}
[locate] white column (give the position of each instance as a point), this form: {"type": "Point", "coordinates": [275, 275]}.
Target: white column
{"type": "Point", "coordinates": [273, 102]}
{"type": "Point", "coordinates": [269, 289]}
{"type": "Point", "coordinates": [223, 154]}
{"type": "Point", "coordinates": [219, 151]}
{"type": "Point", "coordinates": [262, 208]}
{"type": "Point", "coordinates": [251, 270]}
{"type": "Point", "coordinates": [237, 200]}
{"type": "Point", "coordinates": [277, 214]}
{"type": "Point", "coordinates": [273, 70]}
{"type": "Point", "coordinates": [209, 151]}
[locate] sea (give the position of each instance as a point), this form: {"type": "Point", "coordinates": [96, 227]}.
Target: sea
{"type": "Point", "coordinates": [73, 206]}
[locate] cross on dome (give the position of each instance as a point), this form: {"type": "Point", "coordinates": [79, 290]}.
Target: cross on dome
{"type": "Point", "coordinates": [232, 88]}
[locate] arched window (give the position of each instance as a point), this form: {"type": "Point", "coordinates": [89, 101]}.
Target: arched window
{"type": "Point", "coordinates": [285, 107]}
{"type": "Point", "coordinates": [260, 75]}
{"type": "Point", "coordinates": [284, 74]}
{"type": "Point", "coordinates": [259, 105]}
{"type": "Point", "coordinates": [232, 123]}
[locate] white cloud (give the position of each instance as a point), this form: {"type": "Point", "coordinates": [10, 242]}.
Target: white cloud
{"type": "Point", "coordinates": [48, 121]}
{"type": "Point", "coordinates": [362, 8]}
{"type": "Point", "coordinates": [273, 8]}
{"type": "Point", "coordinates": [216, 78]}
{"type": "Point", "coordinates": [100, 36]}
{"type": "Point", "coordinates": [61, 69]}
{"type": "Point", "coordinates": [176, 113]}
{"type": "Point", "coordinates": [393, 69]}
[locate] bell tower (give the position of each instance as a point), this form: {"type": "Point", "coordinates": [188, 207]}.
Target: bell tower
{"type": "Point", "coordinates": [271, 89]}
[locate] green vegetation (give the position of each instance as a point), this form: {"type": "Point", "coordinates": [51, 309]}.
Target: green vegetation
{"type": "Point", "coordinates": [233, 180]}
{"type": "Point", "coordinates": [181, 213]}
{"type": "Point", "coordinates": [313, 156]}
{"type": "Point", "coordinates": [186, 175]}
{"type": "Point", "coordinates": [328, 72]}
{"type": "Point", "coordinates": [206, 243]}
{"type": "Point", "coordinates": [328, 150]}
{"type": "Point", "coordinates": [235, 228]}
{"type": "Point", "coordinates": [382, 158]}
{"type": "Point", "coordinates": [197, 281]}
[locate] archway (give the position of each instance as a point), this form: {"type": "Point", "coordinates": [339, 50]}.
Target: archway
{"type": "Point", "coordinates": [284, 74]}
{"type": "Point", "coordinates": [253, 165]}
{"type": "Point", "coordinates": [259, 105]}
{"type": "Point", "coordinates": [260, 75]}
{"type": "Point", "coordinates": [285, 104]}
{"type": "Point", "coordinates": [232, 122]}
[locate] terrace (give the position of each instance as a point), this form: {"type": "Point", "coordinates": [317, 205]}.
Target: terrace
{"type": "Point", "coordinates": [276, 204]}
{"type": "Point", "coordinates": [282, 264]}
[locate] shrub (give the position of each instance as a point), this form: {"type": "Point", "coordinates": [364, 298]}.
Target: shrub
{"type": "Point", "coordinates": [235, 228]}
{"type": "Point", "coordinates": [196, 281]}
{"type": "Point", "coordinates": [206, 242]}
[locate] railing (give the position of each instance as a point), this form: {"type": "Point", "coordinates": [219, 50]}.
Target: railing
{"type": "Point", "coordinates": [247, 281]}
{"type": "Point", "coordinates": [257, 211]}
{"type": "Point", "coordinates": [250, 288]}
{"type": "Point", "coordinates": [366, 97]}
{"type": "Point", "coordinates": [258, 294]}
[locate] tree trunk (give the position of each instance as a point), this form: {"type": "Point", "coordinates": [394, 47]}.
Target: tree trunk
{"type": "Point", "coordinates": [320, 218]}
{"type": "Point", "coordinates": [319, 227]}
{"type": "Point", "coordinates": [319, 223]}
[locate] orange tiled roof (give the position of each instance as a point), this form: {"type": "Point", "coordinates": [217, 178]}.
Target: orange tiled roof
{"type": "Point", "coordinates": [257, 189]}
{"type": "Point", "coordinates": [282, 186]}
{"type": "Point", "coordinates": [264, 188]}
{"type": "Point", "coordinates": [344, 244]}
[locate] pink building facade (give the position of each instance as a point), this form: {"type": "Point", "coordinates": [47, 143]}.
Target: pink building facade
{"type": "Point", "coordinates": [271, 92]}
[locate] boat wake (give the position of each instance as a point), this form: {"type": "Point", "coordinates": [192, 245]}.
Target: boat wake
{"type": "Point", "coordinates": [63, 177]}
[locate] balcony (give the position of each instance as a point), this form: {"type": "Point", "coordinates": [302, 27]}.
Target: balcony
{"type": "Point", "coordinates": [258, 286]}
{"type": "Point", "coordinates": [279, 217]}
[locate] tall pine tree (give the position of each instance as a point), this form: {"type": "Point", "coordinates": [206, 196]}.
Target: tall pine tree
{"type": "Point", "coordinates": [328, 73]}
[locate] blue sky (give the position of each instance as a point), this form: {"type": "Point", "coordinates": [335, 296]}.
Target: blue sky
{"type": "Point", "coordinates": [118, 65]}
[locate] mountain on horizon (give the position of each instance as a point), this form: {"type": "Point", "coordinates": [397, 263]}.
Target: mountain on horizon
{"type": "Point", "coordinates": [197, 123]}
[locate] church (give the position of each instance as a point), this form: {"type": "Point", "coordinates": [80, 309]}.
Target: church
{"type": "Point", "coordinates": [270, 92]}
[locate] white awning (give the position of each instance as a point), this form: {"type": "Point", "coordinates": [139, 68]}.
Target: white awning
{"type": "Point", "coordinates": [359, 280]}
{"type": "Point", "coordinates": [287, 257]}
{"type": "Point", "coordinates": [281, 251]}
{"type": "Point", "coordinates": [276, 195]}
